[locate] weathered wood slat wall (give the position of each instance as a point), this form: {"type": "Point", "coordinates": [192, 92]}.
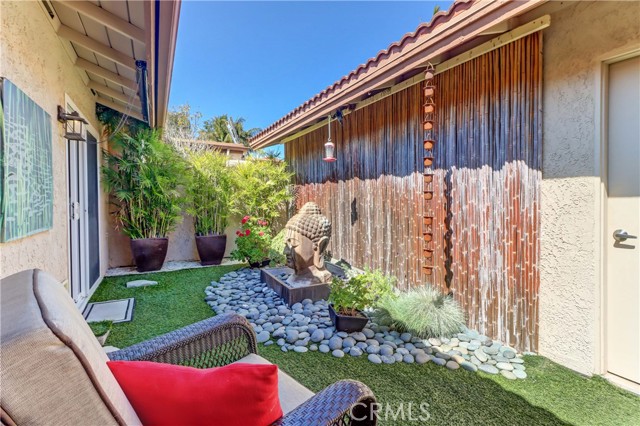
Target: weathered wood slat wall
{"type": "Point", "coordinates": [487, 165]}
{"type": "Point", "coordinates": [486, 176]}
{"type": "Point", "coordinates": [372, 194]}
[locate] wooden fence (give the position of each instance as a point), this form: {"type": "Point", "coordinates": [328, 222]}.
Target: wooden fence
{"type": "Point", "coordinates": [486, 183]}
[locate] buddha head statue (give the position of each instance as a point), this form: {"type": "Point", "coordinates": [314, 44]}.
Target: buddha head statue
{"type": "Point", "coordinates": [307, 238]}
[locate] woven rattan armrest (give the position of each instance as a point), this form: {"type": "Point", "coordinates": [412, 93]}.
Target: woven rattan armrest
{"type": "Point", "coordinates": [346, 402]}
{"type": "Point", "coordinates": [213, 342]}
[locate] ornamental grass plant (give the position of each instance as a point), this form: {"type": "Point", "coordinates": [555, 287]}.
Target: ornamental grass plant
{"type": "Point", "coordinates": [424, 312]}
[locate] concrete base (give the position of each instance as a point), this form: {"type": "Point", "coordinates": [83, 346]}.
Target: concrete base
{"type": "Point", "coordinates": [292, 293]}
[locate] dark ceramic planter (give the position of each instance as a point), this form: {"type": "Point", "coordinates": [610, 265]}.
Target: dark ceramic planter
{"type": "Point", "coordinates": [348, 323]}
{"type": "Point", "coordinates": [211, 248]}
{"type": "Point", "coordinates": [262, 264]}
{"type": "Point", "coordinates": [149, 253]}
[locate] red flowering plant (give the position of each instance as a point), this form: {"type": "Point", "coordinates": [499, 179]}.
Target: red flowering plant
{"type": "Point", "coordinates": [253, 241]}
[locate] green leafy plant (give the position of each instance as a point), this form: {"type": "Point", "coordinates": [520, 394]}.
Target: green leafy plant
{"type": "Point", "coordinates": [209, 192]}
{"type": "Point", "coordinates": [359, 291]}
{"type": "Point", "coordinates": [276, 251]}
{"type": "Point", "coordinates": [262, 188]}
{"type": "Point", "coordinates": [100, 328]}
{"type": "Point", "coordinates": [424, 312]}
{"type": "Point", "coordinates": [253, 241]}
{"type": "Point", "coordinates": [143, 176]}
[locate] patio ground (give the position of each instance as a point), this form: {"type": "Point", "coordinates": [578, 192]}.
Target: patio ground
{"type": "Point", "coordinates": [551, 395]}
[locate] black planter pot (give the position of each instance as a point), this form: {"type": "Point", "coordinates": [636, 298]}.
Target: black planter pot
{"type": "Point", "coordinates": [262, 264]}
{"type": "Point", "coordinates": [348, 323]}
{"type": "Point", "coordinates": [211, 248]}
{"type": "Point", "coordinates": [149, 253]}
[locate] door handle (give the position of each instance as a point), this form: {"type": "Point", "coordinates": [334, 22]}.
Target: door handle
{"type": "Point", "coordinates": [622, 235]}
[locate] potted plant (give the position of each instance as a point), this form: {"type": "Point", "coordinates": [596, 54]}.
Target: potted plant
{"type": "Point", "coordinates": [143, 176]}
{"type": "Point", "coordinates": [349, 298]}
{"type": "Point", "coordinates": [209, 196]}
{"type": "Point", "coordinates": [253, 242]}
{"type": "Point", "coordinates": [101, 330]}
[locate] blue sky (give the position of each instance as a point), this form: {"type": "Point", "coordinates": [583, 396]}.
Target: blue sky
{"type": "Point", "coordinates": [260, 60]}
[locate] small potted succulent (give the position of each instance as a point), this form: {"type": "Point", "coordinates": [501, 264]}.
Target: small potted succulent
{"type": "Point", "coordinates": [101, 330]}
{"type": "Point", "coordinates": [253, 242]}
{"type": "Point", "coordinates": [209, 196]}
{"type": "Point", "coordinates": [349, 298]}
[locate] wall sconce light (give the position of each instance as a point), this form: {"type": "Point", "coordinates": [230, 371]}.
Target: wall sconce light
{"type": "Point", "coordinates": [72, 124]}
{"type": "Point", "coordinates": [329, 147]}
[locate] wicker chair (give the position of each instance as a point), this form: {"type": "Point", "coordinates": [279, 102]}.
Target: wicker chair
{"type": "Point", "coordinates": [54, 372]}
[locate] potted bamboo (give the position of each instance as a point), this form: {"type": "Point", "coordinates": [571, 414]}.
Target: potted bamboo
{"type": "Point", "coordinates": [349, 298]}
{"type": "Point", "coordinates": [209, 197]}
{"type": "Point", "coordinates": [144, 176]}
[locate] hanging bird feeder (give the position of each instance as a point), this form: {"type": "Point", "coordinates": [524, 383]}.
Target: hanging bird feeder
{"type": "Point", "coordinates": [329, 147]}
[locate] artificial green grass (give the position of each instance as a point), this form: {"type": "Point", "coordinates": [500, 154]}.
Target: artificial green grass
{"type": "Point", "coordinates": [551, 395]}
{"type": "Point", "coordinates": [177, 300]}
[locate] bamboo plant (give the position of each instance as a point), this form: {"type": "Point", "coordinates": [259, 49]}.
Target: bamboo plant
{"type": "Point", "coordinates": [209, 192]}
{"type": "Point", "coordinates": [144, 176]}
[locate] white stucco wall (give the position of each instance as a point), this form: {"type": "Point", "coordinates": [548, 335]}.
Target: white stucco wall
{"type": "Point", "coordinates": [579, 38]}
{"type": "Point", "coordinates": [33, 58]}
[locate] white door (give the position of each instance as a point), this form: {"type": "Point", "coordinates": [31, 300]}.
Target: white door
{"type": "Point", "coordinates": [76, 159]}
{"type": "Point", "coordinates": [623, 221]}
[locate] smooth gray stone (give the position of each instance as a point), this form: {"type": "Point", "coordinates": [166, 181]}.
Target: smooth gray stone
{"type": "Point", "coordinates": [509, 353]}
{"type": "Point", "coordinates": [388, 359]}
{"type": "Point", "coordinates": [358, 336]}
{"type": "Point", "coordinates": [292, 336]}
{"type": "Point", "coordinates": [263, 336]}
{"type": "Point", "coordinates": [386, 350]}
{"type": "Point", "coordinates": [490, 369]}
{"type": "Point", "coordinates": [422, 358]}
{"type": "Point", "coordinates": [490, 350]}
{"type": "Point", "coordinates": [337, 353]}
{"type": "Point", "coordinates": [348, 342]}
{"type": "Point", "coordinates": [452, 365]}
{"type": "Point", "coordinates": [300, 349]}
{"type": "Point", "coordinates": [373, 349]}
{"type": "Point", "coordinates": [408, 359]}
{"type": "Point", "coordinates": [361, 345]}
{"type": "Point", "coordinates": [516, 361]}
{"type": "Point", "coordinates": [508, 374]}
{"type": "Point", "coordinates": [469, 366]}
{"type": "Point", "coordinates": [317, 336]}
{"type": "Point", "coordinates": [355, 351]}
{"type": "Point", "coordinates": [504, 366]}
{"type": "Point", "coordinates": [141, 283]}
{"type": "Point", "coordinates": [439, 361]}
{"type": "Point", "coordinates": [268, 343]}
{"type": "Point", "coordinates": [313, 348]}
{"type": "Point", "coordinates": [328, 333]}
{"type": "Point", "coordinates": [335, 343]}
{"type": "Point", "coordinates": [374, 359]}
{"type": "Point", "coordinates": [281, 342]}
{"type": "Point", "coordinates": [405, 337]}
{"type": "Point", "coordinates": [444, 356]}
{"type": "Point", "coordinates": [368, 333]}
{"type": "Point", "coordinates": [342, 334]}
{"type": "Point", "coordinates": [479, 353]}
{"type": "Point", "coordinates": [519, 374]}
{"type": "Point", "coordinates": [324, 349]}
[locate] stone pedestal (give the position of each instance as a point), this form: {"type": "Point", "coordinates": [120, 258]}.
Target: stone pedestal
{"type": "Point", "coordinates": [292, 292]}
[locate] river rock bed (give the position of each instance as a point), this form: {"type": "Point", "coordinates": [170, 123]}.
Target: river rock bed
{"type": "Point", "coordinates": [306, 326]}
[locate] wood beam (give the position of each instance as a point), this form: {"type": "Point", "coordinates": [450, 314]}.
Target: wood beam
{"type": "Point", "coordinates": [106, 74]}
{"type": "Point", "coordinates": [101, 88]}
{"type": "Point", "coordinates": [97, 47]}
{"type": "Point", "coordinates": [120, 108]}
{"type": "Point", "coordinates": [106, 18]}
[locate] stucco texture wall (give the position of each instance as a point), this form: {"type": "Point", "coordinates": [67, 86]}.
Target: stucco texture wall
{"type": "Point", "coordinates": [579, 37]}
{"type": "Point", "coordinates": [33, 58]}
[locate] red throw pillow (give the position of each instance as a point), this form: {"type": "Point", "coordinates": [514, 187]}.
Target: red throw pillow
{"type": "Point", "coordinates": [173, 395]}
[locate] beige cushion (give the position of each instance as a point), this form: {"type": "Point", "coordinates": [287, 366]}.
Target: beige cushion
{"type": "Point", "coordinates": [52, 368]}
{"type": "Point", "coordinates": [291, 393]}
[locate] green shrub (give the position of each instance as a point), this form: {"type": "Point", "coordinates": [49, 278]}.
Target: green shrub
{"type": "Point", "coordinates": [262, 188]}
{"type": "Point", "coordinates": [99, 328]}
{"type": "Point", "coordinates": [144, 175]}
{"type": "Point", "coordinates": [359, 291]}
{"type": "Point", "coordinates": [209, 192]}
{"type": "Point", "coordinates": [253, 241]}
{"type": "Point", "coordinates": [276, 253]}
{"type": "Point", "coordinates": [423, 312]}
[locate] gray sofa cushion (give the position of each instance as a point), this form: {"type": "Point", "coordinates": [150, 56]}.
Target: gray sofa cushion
{"type": "Point", "coordinates": [52, 369]}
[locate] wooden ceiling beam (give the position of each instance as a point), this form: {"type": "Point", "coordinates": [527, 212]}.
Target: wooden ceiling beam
{"type": "Point", "coordinates": [106, 74]}
{"type": "Point", "coordinates": [106, 18]}
{"type": "Point", "coordinates": [97, 47]}
{"type": "Point", "coordinates": [120, 108]}
{"type": "Point", "coordinates": [107, 91]}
